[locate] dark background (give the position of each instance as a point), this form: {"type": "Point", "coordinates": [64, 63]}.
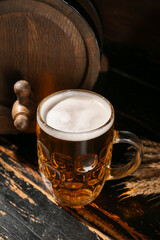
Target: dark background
{"type": "Point", "coordinates": [132, 46]}
{"type": "Point", "coordinates": [131, 83]}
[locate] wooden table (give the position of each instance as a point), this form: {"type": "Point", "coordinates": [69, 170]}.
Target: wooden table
{"type": "Point", "coordinates": [125, 209]}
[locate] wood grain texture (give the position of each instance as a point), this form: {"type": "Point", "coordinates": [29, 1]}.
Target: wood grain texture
{"type": "Point", "coordinates": [23, 110]}
{"type": "Point", "coordinates": [47, 43]}
{"type": "Point", "coordinates": [90, 12]}
{"type": "Point", "coordinates": [127, 209]}
{"type": "Point", "coordinates": [25, 202]}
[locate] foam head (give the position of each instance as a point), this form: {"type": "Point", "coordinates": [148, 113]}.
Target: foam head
{"type": "Point", "coordinates": [75, 115]}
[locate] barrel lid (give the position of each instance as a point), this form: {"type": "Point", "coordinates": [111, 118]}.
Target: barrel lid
{"type": "Point", "coordinates": [48, 43]}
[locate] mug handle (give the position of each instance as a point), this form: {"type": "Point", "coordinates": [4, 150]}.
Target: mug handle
{"type": "Point", "coordinates": [132, 139]}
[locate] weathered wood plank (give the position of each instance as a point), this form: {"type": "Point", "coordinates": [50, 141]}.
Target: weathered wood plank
{"type": "Point", "coordinates": [29, 203]}
{"type": "Point", "coordinates": [12, 228]}
{"type": "Point", "coordinates": [24, 197]}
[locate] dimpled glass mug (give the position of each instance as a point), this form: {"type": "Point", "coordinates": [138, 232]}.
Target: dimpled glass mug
{"type": "Point", "coordinates": [75, 137]}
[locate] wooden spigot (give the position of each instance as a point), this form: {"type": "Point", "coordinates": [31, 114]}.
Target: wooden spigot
{"type": "Point", "coordinates": [22, 110]}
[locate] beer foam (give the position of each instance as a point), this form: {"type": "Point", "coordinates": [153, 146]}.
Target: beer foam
{"type": "Point", "coordinates": [75, 115]}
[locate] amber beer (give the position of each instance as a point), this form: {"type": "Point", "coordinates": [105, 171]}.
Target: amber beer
{"type": "Point", "coordinates": [74, 165]}
{"type": "Point", "coordinates": [75, 136]}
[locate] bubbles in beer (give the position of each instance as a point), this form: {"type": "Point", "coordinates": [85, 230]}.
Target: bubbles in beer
{"type": "Point", "coordinates": [61, 161]}
{"type": "Point", "coordinates": [52, 176]}
{"type": "Point", "coordinates": [43, 152]}
{"type": "Point", "coordinates": [86, 163]}
{"type": "Point", "coordinates": [75, 163]}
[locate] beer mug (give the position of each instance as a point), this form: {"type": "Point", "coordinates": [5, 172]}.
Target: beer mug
{"type": "Point", "coordinates": [75, 137]}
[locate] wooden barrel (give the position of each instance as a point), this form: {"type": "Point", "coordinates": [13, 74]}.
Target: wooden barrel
{"type": "Point", "coordinates": [52, 44]}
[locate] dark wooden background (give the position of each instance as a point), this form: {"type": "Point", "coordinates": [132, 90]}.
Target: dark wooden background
{"type": "Point", "coordinates": [132, 37]}
{"type": "Point", "coordinates": [132, 46]}
{"type": "Point", "coordinates": [127, 209]}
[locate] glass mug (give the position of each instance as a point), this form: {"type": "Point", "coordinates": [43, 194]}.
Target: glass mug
{"type": "Point", "coordinates": [75, 165]}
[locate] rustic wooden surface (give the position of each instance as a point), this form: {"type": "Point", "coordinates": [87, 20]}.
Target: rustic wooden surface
{"type": "Point", "coordinates": [125, 209]}
{"type": "Point", "coordinates": [28, 211]}
{"type": "Point", "coordinates": [49, 44]}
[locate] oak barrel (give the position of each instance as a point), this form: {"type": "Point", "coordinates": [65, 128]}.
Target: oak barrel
{"type": "Point", "coordinates": [51, 44]}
